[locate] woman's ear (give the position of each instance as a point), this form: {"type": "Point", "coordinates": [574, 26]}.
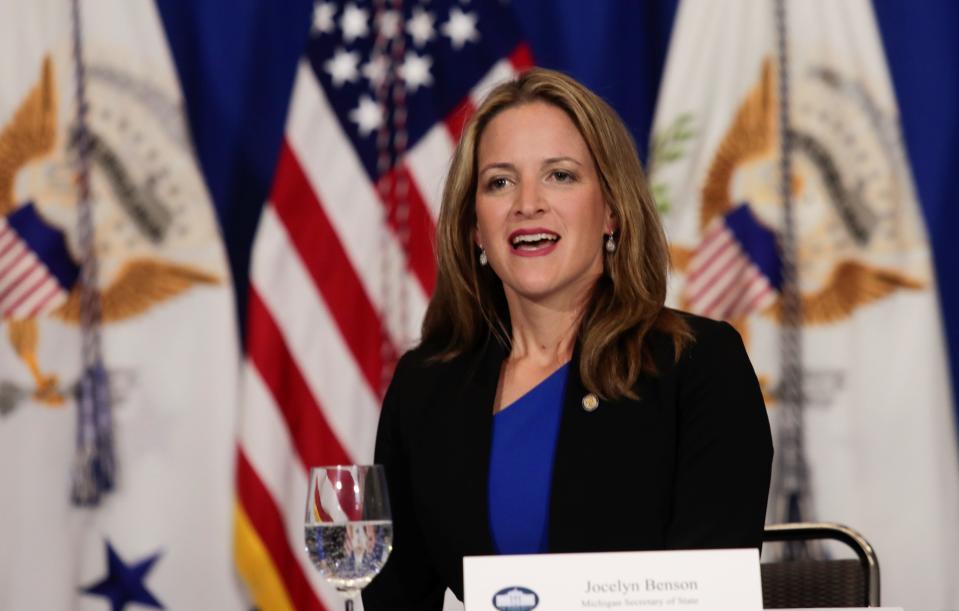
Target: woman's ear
{"type": "Point", "coordinates": [612, 224]}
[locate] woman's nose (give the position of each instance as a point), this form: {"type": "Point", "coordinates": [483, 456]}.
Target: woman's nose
{"type": "Point", "coordinates": [530, 199]}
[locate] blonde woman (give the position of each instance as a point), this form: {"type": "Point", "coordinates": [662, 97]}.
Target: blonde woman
{"type": "Point", "coordinates": [554, 404]}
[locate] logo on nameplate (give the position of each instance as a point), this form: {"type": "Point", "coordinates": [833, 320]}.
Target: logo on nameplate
{"type": "Point", "coordinates": [515, 598]}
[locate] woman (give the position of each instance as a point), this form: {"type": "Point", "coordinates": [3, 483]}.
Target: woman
{"type": "Point", "coordinates": [554, 404]}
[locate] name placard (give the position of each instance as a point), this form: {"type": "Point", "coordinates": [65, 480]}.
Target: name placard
{"type": "Point", "coordinates": [717, 580]}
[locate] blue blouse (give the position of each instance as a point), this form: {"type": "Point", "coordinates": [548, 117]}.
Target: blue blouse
{"type": "Point", "coordinates": [521, 467]}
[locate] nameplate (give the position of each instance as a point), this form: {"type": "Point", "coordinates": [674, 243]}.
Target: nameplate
{"type": "Point", "coordinates": [717, 580]}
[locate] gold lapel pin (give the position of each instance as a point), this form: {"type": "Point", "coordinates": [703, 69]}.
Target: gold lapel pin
{"type": "Point", "coordinates": [590, 402]}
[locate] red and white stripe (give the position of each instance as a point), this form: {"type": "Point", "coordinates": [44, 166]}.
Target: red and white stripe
{"type": "Point", "coordinates": [27, 288]}
{"type": "Point", "coordinates": [723, 283]}
{"type": "Point", "coordinates": [316, 323]}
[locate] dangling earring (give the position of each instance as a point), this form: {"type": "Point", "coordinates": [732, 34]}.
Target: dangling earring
{"type": "Point", "coordinates": [610, 244]}
{"type": "Point", "coordinates": [482, 258]}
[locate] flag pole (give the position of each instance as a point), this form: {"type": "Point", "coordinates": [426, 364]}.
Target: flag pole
{"type": "Point", "coordinates": [94, 470]}
{"type": "Point", "coordinates": [791, 494]}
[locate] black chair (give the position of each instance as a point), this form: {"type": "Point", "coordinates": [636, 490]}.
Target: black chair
{"type": "Point", "coordinates": [820, 583]}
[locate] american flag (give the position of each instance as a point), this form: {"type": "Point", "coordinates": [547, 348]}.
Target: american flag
{"type": "Point", "coordinates": [342, 264]}
{"type": "Point", "coordinates": [736, 268]}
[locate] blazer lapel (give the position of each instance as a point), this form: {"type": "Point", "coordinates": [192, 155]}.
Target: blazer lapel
{"type": "Point", "coordinates": [478, 395]}
{"type": "Point", "coordinates": [565, 460]}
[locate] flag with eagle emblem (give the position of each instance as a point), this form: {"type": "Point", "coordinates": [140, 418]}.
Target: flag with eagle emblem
{"type": "Point", "coordinates": [154, 531]}
{"type": "Point", "coordinates": [868, 439]}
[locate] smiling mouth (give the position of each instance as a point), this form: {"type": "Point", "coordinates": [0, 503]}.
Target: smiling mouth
{"type": "Point", "coordinates": [533, 241]}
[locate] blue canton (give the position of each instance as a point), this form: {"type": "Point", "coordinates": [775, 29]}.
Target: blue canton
{"type": "Point", "coordinates": [446, 47]}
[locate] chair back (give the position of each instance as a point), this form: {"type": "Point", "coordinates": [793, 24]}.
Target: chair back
{"type": "Point", "coordinates": [820, 583]}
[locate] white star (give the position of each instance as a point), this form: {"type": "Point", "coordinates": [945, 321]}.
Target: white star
{"type": "Point", "coordinates": [354, 23]}
{"type": "Point", "coordinates": [323, 17]}
{"type": "Point", "coordinates": [368, 116]}
{"type": "Point", "coordinates": [461, 28]}
{"type": "Point", "coordinates": [343, 66]}
{"type": "Point", "coordinates": [415, 71]}
{"type": "Point", "coordinates": [420, 27]}
{"type": "Point", "coordinates": [388, 24]}
{"type": "Point", "coordinates": [375, 70]}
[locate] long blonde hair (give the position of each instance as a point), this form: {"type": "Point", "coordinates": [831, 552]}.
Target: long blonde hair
{"type": "Point", "coordinates": [627, 302]}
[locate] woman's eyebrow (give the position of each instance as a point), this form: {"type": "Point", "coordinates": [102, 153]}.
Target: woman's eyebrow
{"type": "Point", "coordinates": [558, 159]}
{"type": "Point", "coordinates": [503, 165]}
{"type": "Point", "coordinates": [499, 165]}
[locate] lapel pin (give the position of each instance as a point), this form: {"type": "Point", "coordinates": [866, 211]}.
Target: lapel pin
{"type": "Point", "coordinates": [590, 402]}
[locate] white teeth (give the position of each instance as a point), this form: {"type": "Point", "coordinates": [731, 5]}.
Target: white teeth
{"type": "Point", "coordinates": [534, 237]}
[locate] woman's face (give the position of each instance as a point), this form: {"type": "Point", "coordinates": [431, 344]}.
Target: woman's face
{"type": "Point", "coordinates": [540, 213]}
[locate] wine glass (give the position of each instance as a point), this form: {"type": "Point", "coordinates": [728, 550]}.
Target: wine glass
{"type": "Point", "coordinates": [349, 531]}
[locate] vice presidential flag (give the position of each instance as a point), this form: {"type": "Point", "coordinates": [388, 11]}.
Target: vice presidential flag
{"type": "Point", "coordinates": [874, 443]}
{"type": "Point", "coordinates": [121, 501]}
{"type": "Point", "coordinates": [343, 265]}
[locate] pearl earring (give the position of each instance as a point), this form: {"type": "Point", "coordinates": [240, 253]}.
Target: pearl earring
{"type": "Point", "coordinates": [482, 258]}
{"type": "Point", "coordinates": [610, 244]}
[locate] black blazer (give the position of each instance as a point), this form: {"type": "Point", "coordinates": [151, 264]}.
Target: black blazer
{"type": "Point", "coordinates": [685, 466]}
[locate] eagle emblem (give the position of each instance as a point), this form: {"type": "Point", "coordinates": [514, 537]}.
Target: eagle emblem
{"type": "Point", "coordinates": [851, 229]}
{"type": "Point", "coordinates": [38, 273]}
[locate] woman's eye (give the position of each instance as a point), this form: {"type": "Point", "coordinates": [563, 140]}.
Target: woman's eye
{"type": "Point", "coordinates": [563, 176]}
{"type": "Point", "coordinates": [497, 183]}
